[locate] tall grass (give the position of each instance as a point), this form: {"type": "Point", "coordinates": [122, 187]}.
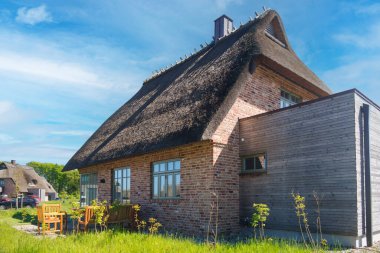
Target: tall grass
{"type": "Point", "coordinates": [12, 240]}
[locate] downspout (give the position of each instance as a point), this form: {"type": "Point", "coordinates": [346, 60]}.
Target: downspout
{"type": "Point", "coordinates": [367, 171]}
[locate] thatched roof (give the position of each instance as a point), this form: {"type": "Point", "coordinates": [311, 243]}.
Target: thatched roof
{"type": "Point", "coordinates": [25, 177]}
{"type": "Point", "coordinates": [175, 107]}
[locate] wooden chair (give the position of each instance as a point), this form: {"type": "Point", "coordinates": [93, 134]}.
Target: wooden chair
{"type": "Point", "coordinates": [88, 217]}
{"type": "Point", "coordinates": [48, 214]}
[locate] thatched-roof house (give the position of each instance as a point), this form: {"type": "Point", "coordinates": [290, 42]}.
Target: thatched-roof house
{"type": "Point", "coordinates": [25, 178]}
{"type": "Point", "coordinates": [188, 137]}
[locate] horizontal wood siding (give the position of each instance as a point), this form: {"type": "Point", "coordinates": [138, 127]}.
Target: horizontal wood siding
{"type": "Point", "coordinates": [309, 148]}
{"type": "Point", "coordinates": [375, 165]}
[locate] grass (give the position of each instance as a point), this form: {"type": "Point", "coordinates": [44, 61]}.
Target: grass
{"type": "Point", "coordinates": [12, 240]}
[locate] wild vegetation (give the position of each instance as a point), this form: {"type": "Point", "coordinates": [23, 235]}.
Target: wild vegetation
{"type": "Point", "coordinates": [116, 240]}
{"type": "Point", "coordinates": [65, 183]}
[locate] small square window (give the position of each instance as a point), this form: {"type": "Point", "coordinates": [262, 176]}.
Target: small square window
{"type": "Point", "coordinates": [289, 99]}
{"type": "Point", "coordinates": [256, 162]}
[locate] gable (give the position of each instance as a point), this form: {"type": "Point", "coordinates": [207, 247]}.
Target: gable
{"type": "Point", "coordinates": [275, 31]}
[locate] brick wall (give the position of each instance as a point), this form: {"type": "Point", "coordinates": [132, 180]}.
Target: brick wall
{"type": "Point", "coordinates": [206, 166]}
{"type": "Point", "coordinates": [190, 213]}
{"type": "Point", "coordinates": [261, 92]}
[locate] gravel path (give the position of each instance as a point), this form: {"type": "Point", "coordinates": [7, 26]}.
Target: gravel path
{"type": "Point", "coordinates": [33, 230]}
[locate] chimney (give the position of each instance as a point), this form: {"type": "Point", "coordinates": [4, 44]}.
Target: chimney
{"type": "Point", "coordinates": [13, 161]}
{"type": "Point", "coordinates": [223, 27]}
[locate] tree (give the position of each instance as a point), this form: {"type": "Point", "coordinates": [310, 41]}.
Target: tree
{"type": "Point", "coordinates": [61, 181]}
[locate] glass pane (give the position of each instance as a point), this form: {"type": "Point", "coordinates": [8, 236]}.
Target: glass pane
{"type": "Point", "coordinates": [124, 172]}
{"type": "Point", "coordinates": [162, 167]}
{"type": "Point", "coordinates": [249, 163]}
{"type": "Point", "coordinates": [128, 172]}
{"type": "Point", "coordinates": [170, 166]}
{"type": "Point", "coordinates": [119, 173]}
{"type": "Point", "coordinates": [118, 189]}
{"type": "Point", "coordinates": [156, 167]}
{"type": "Point", "coordinates": [177, 165]}
{"type": "Point", "coordinates": [260, 162]}
{"type": "Point", "coordinates": [155, 186]}
{"type": "Point", "coordinates": [170, 186]}
{"type": "Point", "coordinates": [177, 184]}
{"type": "Point", "coordinates": [124, 184]}
{"type": "Point", "coordinates": [128, 188]}
{"type": "Point", "coordinates": [162, 186]}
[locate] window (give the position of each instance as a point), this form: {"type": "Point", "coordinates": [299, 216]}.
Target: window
{"type": "Point", "coordinates": [256, 162]}
{"type": "Point", "coordinates": [88, 188]}
{"type": "Point", "coordinates": [166, 179]}
{"type": "Point", "coordinates": [121, 187]}
{"type": "Point", "coordinates": [289, 99]}
{"type": "Point", "coordinates": [1, 182]}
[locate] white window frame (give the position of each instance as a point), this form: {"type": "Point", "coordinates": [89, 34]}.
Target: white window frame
{"type": "Point", "coordinates": [291, 99]}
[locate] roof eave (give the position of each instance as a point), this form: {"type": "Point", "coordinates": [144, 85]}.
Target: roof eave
{"type": "Point", "coordinates": [294, 77]}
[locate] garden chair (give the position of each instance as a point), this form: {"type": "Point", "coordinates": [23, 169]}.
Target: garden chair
{"type": "Point", "coordinates": [88, 217]}
{"type": "Point", "coordinates": [48, 214]}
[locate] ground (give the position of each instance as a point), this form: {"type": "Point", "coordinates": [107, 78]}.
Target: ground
{"type": "Point", "coordinates": [17, 236]}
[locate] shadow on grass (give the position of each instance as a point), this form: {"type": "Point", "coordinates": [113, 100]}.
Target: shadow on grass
{"type": "Point", "coordinates": [25, 216]}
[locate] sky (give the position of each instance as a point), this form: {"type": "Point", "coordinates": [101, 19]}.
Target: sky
{"type": "Point", "coordinates": [66, 66]}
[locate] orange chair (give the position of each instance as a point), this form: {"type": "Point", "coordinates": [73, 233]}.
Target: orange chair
{"type": "Point", "coordinates": [88, 218]}
{"type": "Point", "coordinates": [48, 214]}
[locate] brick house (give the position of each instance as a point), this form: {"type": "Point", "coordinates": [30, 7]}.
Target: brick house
{"type": "Point", "coordinates": [26, 179]}
{"type": "Point", "coordinates": [245, 120]}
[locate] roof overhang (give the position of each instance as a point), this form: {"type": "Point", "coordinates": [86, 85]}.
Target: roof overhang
{"type": "Point", "coordinates": [289, 74]}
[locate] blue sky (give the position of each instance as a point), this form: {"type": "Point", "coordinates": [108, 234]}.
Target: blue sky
{"type": "Point", "coordinates": [66, 66]}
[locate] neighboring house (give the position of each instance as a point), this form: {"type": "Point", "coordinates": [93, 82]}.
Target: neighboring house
{"type": "Point", "coordinates": [245, 120]}
{"type": "Point", "coordinates": [13, 175]}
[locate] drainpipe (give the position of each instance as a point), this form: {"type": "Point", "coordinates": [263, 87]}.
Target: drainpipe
{"type": "Point", "coordinates": [367, 170]}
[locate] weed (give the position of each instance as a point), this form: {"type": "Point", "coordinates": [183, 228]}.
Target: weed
{"type": "Point", "coordinates": [259, 217]}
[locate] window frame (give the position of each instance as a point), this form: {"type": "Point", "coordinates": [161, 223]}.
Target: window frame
{"type": "Point", "coordinates": [289, 100]}
{"type": "Point", "coordinates": [82, 204]}
{"type": "Point", "coordinates": [128, 200]}
{"type": "Point", "coordinates": [255, 155]}
{"type": "Point", "coordinates": [166, 173]}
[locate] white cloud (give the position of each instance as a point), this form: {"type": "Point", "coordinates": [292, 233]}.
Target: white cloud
{"type": "Point", "coordinates": [357, 73]}
{"type": "Point", "coordinates": [33, 16]}
{"type": "Point", "coordinates": [10, 114]}
{"type": "Point", "coordinates": [367, 39]}
{"type": "Point", "coordinates": [72, 133]}
{"type": "Point", "coordinates": [7, 139]}
{"type": "Point", "coordinates": [48, 69]}
{"type": "Point", "coordinates": [368, 9]}
{"type": "Point", "coordinates": [24, 153]}
{"type": "Point", "coordinates": [5, 107]}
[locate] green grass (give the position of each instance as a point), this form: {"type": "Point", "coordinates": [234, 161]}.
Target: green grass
{"type": "Point", "coordinates": [12, 240]}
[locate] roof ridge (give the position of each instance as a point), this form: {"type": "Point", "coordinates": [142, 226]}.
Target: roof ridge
{"type": "Point", "coordinates": [203, 48]}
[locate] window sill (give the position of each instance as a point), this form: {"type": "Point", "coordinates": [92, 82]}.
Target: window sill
{"type": "Point", "coordinates": [253, 173]}
{"type": "Point", "coordinates": [166, 200]}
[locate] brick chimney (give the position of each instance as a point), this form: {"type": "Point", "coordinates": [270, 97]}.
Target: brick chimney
{"type": "Point", "coordinates": [223, 27]}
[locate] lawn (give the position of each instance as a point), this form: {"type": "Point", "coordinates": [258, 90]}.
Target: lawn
{"type": "Point", "coordinates": [12, 240]}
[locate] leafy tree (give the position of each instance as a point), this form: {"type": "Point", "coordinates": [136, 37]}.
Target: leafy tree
{"type": "Point", "coordinates": [61, 181]}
